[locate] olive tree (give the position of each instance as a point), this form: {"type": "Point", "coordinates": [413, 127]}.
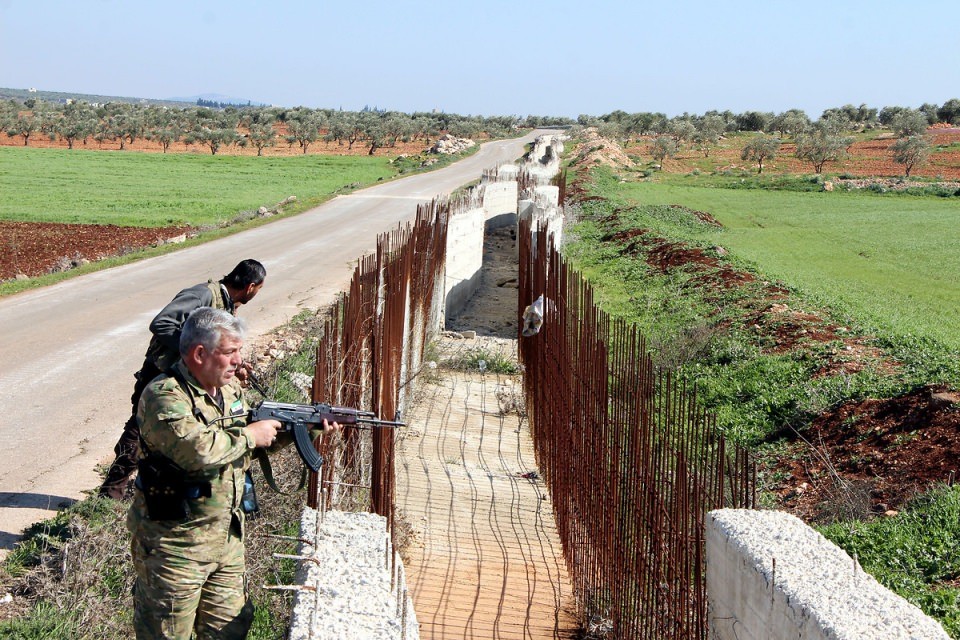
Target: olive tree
{"type": "Point", "coordinates": [47, 116]}
{"type": "Point", "coordinates": [610, 130]}
{"type": "Point", "coordinates": [861, 116]}
{"type": "Point", "coordinates": [790, 122]}
{"type": "Point", "coordinates": [820, 144]}
{"type": "Point", "coordinates": [373, 124]}
{"type": "Point", "coordinates": [262, 135]}
{"type": "Point", "coordinates": [682, 130]}
{"type": "Point", "coordinates": [663, 147]}
{"type": "Point", "coordinates": [213, 138]}
{"type": "Point", "coordinates": [165, 135]}
{"type": "Point", "coordinates": [77, 121]}
{"type": "Point", "coordinates": [304, 127]}
{"type": "Point", "coordinates": [930, 110]}
{"type": "Point", "coordinates": [709, 130]}
{"type": "Point", "coordinates": [641, 123]}
{"type": "Point", "coordinates": [760, 148]}
{"type": "Point", "coordinates": [754, 121]}
{"type": "Point", "coordinates": [910, 152]}
{"type": "Point", "coordinates": [887, 114]}
{"type": "Point", "coordinates": [908, 122]}
{"type": "Point", "coordinates": [214, 129]}
{"type": "Point", "coordinates": [8, 113]}
{"type": "Point", "coordinates": [949, 112]}
{"type": "Point", "coordinates": [397, 126]}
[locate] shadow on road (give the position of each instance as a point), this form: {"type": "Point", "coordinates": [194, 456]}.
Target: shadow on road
{"type": "Point", "coordinates": [42, 501]}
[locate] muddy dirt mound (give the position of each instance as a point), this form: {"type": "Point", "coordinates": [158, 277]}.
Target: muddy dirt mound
{"type": "Point", "coordinates": [595, 150]}
{"type": "Point", "coordinates": [872, 456]}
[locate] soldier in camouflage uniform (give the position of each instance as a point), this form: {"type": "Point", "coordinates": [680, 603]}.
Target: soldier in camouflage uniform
{"type": "Point", "coordinates": [186, 520]}
{"type": "Point", "coordinates": [236, 288]}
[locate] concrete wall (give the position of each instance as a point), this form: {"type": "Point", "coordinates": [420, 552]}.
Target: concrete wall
{"type": "Point", "coordinates": [464, 257]}
{"type": "Point", "coordinates": [541, 207]}
{"type": "Point", "coordinates": [500, 203]}
{"type": "Point", "coordinates": [491, 206]}
{"type": "Point", "coordinates": [771, 577]}
{"type": "Point", "coordinates": [543, 160]}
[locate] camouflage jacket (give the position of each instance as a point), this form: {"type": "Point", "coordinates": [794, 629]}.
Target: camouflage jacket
{"type": "Point", "coordinates": [164, 349]}
{"type": "Point", "coordinates": [180, 421]}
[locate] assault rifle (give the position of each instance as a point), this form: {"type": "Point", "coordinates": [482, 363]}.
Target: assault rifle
{"type": "Point", "coordinates": [299, 418]}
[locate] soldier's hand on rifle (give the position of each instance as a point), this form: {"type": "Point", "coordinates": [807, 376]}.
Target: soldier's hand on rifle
{"type": "Point", "coordinates": [264, 432]}
{"type": "Point", "coordinates": [331, 427]}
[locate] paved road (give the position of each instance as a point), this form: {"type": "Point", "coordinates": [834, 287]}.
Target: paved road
{"type": "Point", "coordinates": [68, 351]}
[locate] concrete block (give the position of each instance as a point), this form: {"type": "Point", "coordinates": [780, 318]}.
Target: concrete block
{"type": "Point", "coordinates": [771, 576]}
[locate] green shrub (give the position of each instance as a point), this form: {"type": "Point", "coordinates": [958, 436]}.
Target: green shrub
{"type": "Point", "coordinates": [483, 360]}
{"type": "Point", "coordinates": [913, 553]}
{"type": "Point", "coordinates": [44, 622]}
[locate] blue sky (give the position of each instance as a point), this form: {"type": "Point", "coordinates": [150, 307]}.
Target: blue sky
{"type": "Point", "coordinates": [494, 57]}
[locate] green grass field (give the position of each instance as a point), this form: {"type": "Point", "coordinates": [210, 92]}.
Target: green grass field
{"type": "Point", "coordinates": [889, 261]}
{"type": "Point", "coordinates": [154, 190]}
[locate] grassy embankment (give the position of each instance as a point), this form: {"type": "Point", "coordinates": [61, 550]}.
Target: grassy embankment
{"type": "Point", "coordinates": [878, 265]}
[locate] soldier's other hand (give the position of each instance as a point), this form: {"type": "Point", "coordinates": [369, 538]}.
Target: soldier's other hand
{"type": "Point", "coordinates": [331, 427]}
{"type": "Point", "coordinates": [264, 432]}
{"type": "Point", "coordinates": [243, 373]}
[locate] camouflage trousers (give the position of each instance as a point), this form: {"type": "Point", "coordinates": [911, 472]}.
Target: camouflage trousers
{"type": "Point", "coordinates": [173, 597]}
{"type": "Point", "coordinates": [127, 449]}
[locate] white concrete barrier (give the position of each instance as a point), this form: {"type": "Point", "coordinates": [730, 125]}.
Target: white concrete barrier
{"type": "Point", "coordinates": [500, 203]}
{"type": "Point", "coordinates": [356, 587]}
{"type": "Point", "coordinates": [771, 577]}
{"type": "Point", "coordinates": [464, 257]}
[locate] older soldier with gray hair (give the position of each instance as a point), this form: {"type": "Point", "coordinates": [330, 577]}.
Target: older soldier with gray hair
{"type": "Point", "coordinates": [187, 519]}
{"type": "Point", "coordinates": [233, 290]}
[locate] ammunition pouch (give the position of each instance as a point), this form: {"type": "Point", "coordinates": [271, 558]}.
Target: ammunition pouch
{"type": "Point", "coordinates": [165, 489]}
{"type": "Point", "coordinates": [249, 503]}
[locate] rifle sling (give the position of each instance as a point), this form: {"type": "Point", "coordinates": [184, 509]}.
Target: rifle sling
{"type": "Point", "coordinates": [267, 468]}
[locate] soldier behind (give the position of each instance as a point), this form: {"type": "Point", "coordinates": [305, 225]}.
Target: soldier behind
{"type": "Point", "coordinates": [236, 288]}
{"type": "Point", "coordinates": [187, 520]}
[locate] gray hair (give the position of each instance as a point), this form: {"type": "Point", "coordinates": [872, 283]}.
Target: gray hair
{"type": "Point", "coordinates": [206, 325]}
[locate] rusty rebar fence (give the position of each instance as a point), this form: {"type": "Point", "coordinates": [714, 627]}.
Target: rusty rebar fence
{"type": "Point", "coordinates": [632, 462]}
{"type": "Point", "coordinates": [371, 345]}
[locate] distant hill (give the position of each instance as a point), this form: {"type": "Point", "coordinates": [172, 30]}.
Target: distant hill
{"type": "Point", "coordinates": [63, 96]}
{"type": "Point", "coordinates": [209, 99]}
{"type": "Point", "coordinates": [221, 99]}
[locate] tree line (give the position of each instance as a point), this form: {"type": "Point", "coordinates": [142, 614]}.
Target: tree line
{"type": "Point", "coordinates": [78, 122]}
{"type": "Point", "coordinates": [817, 141]}
{"type": "Point", "coordinates": [215, 128]}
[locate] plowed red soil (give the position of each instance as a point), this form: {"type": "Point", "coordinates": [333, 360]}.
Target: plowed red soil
{"type": "Point", "coordinates": [35, 248]}
{"type": "Point", "coordinates": [871, 456]}
{"type": "Point", "coordinates": [866, 159]}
